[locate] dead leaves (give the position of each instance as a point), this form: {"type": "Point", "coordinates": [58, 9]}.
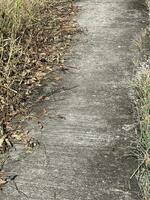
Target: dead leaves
{"type": "Point", "coordinates": [5, 143]}
{"type": "Point", "coordinates": [3, 179]}
{"type": "Point", "coordinates": [12, 138]}
{"type": "Point", "coordinates": [37, 51]}
{"type": "Point", "coordinates": [2, 182]}
{"type": "Point", "coordinates": [2, 141]}
{"type": "Point", "coordinates": [25, 139]}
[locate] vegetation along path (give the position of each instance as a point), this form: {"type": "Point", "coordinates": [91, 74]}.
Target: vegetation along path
{"type": "Point", "coordinates": [89, 123]}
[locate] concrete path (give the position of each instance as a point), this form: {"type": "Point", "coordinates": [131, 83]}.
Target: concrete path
{"type": "Point", "coordinates": [88, 128]}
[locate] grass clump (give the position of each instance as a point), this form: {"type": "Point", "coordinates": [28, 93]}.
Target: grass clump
{"type": "Point", "coordinates": [142, 88]}
{"type": "Point", "coordinates": [143, 91]}
{"type": "Point", "coordinates": [14, 14]}
{"type": "Point", "coordinates": [143, 110]}
{"type": "Point", "coordinates": [15, 17]}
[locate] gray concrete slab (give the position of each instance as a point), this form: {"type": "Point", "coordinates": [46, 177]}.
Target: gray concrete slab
{"type": "Point", "coordinates": [85, 130]}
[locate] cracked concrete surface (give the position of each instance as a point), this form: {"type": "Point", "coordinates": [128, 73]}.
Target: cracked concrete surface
{"type": "Point", "coordinates": [85, 142]}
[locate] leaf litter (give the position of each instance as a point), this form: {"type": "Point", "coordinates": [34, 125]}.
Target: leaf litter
{"type": "Point", "coordinates": [36, 51]}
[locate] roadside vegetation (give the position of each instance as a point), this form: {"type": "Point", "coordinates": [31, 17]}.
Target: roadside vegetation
{"type": "Point", "coordinates": [143, 91]}
{"type": "Point", "coordinates": [142, 86]}
{"type": "Point", "coordinates": [34, 36]}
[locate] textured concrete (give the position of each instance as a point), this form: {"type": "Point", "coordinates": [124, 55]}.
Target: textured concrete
{"type": "Point", "coordinates": [88, 128]}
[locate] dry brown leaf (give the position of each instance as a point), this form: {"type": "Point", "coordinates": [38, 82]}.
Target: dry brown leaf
{"type": "Point", "coordinates": [3, 174]}
{"type": "Point", "coordinates": [2, 182]}
{"type": "Point", "coordinates": [18, 137]}
{"type": "Point", "coordinates": [57, 78]}
{"type": "Point", "coordinates": [2, 140]}
{"type": "Point", "coordinates": [8, 142]}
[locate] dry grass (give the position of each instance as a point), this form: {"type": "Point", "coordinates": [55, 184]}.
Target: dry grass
{"type": "Point", "coordinates": [143, 91]}
{"type": "Point", "coordinates": [142, 86]}
{"type": "Point", "coordinates": [34, 36]}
